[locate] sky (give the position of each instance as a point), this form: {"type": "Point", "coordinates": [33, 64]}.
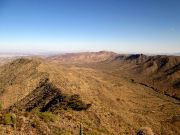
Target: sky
{"type": "Point", "coordinates": [126, 26]}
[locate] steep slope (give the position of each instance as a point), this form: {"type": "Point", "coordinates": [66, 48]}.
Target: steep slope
{"type": "Point", "coordinates": [161, 73]}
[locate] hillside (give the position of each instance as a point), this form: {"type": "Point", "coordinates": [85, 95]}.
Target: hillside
{"type": "Point", "coordinates": [98, 96]}
{"type": "Point", "coordinates": [162, 73]}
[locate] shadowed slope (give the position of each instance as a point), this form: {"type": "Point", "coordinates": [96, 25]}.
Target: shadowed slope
{"type": "Point", "coordinates": [162, 73]}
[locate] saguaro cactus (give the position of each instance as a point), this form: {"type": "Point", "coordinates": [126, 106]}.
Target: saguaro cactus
{"type": "Point", "coordinates": [81, 130]}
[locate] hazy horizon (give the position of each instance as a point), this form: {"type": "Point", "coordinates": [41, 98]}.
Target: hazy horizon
{"type": "Point", "coordinates": [144, 26]}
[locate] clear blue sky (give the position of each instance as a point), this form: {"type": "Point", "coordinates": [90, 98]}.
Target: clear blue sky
{"type": "Point", "coordinates": [146, 26]}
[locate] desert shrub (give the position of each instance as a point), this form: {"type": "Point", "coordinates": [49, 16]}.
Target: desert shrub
{"type": "Point", "coordinates": [36, 111]}
{"type": "Point", "coordinates": [10, 119]}
{"type": "Point", "coordinates": [7, 119]}
{"type": "Point", "coordinates": [46, 116]}
{"type": "Point", "coordinates": [59, 132]}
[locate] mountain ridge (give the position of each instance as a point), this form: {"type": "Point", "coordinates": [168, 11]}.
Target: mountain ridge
{"type": "Point", "coordinates": [117, 103]}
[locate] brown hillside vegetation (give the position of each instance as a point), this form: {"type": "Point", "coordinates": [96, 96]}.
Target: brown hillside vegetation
{"type": "Point", "coordinates": [54, 96]}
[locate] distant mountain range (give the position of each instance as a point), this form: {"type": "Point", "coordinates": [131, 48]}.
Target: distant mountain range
{"type": "Point", "coordinates": [64, 54]}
